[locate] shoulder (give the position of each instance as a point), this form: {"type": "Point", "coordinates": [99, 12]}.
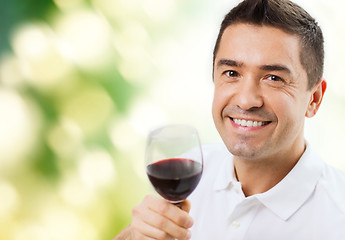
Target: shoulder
{"type": "Point", "coordinates": [212, 147]}
{"type": "Point", "coordinates": [330, 205]}
{"type": "Point", "coordinates": [215, 155]}
{"type": "Point", "coordinates": [333, 183]}
{"type": "Point", "coordinates": [215, 152]}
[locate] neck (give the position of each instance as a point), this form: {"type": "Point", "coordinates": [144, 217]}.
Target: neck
{"type": "Point", "coordinates": [258, 176]}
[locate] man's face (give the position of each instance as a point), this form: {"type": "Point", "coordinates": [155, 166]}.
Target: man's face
{"type": "Point", "coordinates": [261, 97]}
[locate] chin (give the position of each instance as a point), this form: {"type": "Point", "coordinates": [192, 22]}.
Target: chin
{"type": "Point", "coordinates": [245, 151]}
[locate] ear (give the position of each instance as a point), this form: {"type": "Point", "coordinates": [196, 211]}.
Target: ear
{"type": "Point", "coordinates": [316, 98]}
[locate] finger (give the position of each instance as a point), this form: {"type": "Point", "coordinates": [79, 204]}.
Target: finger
{"type": "Point", "coordinates": [145, 231]}
{"type": "Point", "coordinates": [185, 205]}
{"type": "Point", "coordinates": [166, 225]}
{"type": "Point", "coordinates": [170, 211]}
{"type": "Point", "coordinates": [147, 222]}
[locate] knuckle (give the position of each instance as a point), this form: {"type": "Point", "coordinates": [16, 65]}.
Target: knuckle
{"type": "Point", "coordinates": [163, 207]}
{"type": "Point", "coordinates": [147, 198]}
{"type": "Point", "coordinates": [136, 211]}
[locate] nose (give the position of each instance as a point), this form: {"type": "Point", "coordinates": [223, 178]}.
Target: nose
{"type": "Point", "coordinates": [249, 94]}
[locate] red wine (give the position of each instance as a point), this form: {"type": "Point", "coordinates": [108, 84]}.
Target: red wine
{"type": "Point", "coordinates": [175, 178]}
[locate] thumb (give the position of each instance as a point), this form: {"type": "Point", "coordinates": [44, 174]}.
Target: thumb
{"type": "Point", "coordinates": [185, 205]}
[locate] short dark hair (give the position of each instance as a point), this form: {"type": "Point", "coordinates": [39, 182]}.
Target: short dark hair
{"type": "Point", "coordinates": [289, 17]}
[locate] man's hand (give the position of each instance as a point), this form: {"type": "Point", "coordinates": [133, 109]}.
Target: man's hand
{"type": "Point", "coordinates": [155, 218]}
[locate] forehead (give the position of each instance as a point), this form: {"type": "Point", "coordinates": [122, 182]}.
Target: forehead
{"type": "Point", "coordinates": [257, 45]}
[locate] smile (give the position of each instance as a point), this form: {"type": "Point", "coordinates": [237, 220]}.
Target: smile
{"type": "Point", "coordinates": [249, 123]}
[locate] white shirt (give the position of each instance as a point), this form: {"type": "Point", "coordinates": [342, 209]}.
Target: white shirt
{"type": "Point", "coordinates": [308, 204]}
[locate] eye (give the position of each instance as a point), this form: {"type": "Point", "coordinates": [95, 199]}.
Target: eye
{"type": "Point", "coordinates": [274, 78]}
{"type": "Point", "coordinates": [231, 73]}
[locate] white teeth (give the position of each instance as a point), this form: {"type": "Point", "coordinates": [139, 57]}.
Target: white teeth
{"type": "Point", "coordinates": [249, 123]}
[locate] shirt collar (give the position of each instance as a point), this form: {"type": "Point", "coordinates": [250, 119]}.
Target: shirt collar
{"type": "Point", "coordinates": [288, 195]}
{"type": "Point", "coordinates": [292, 192]}
{"type": "Point", "coordinates": [226, 171]}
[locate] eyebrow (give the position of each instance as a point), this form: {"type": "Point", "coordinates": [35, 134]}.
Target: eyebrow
{"type": "Point", "coordinates": [228, 62]}
{"type": "Point", "coordinates": [267, 67]}
{"type": "Point", "coordinates": [275, 67]}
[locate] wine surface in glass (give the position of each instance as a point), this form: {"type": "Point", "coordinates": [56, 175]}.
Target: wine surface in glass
{"type": "Point", "coordinates": [175, 178]}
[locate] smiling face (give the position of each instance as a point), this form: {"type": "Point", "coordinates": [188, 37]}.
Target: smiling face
{"type": "Point", "coordinates": [260, 97]}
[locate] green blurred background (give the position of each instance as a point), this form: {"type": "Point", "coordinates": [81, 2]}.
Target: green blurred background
{"type": "Point", "coordinates": [82, 83]}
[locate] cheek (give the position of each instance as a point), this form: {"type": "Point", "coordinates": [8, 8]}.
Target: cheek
{"type": "Point", "coordinates": [215, 107]}
{"type": "Point", "coordinates": [220, 100]}
{"type": "Point", "coordinates": [289, 110]}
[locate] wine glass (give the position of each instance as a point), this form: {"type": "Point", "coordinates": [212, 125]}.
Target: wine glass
{"type": "Point", "coordinates": [174, 161]}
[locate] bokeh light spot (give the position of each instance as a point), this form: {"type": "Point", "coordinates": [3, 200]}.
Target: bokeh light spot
{"type": "Point", "coordinates": [9, 200]}
{"type": "Point", "coordinates": [96, 169]}
{"type": "Point", "coordinates": [18, 128]}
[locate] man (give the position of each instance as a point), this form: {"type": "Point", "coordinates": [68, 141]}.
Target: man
{"type": "Point", "coordinates": [265, 183]}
